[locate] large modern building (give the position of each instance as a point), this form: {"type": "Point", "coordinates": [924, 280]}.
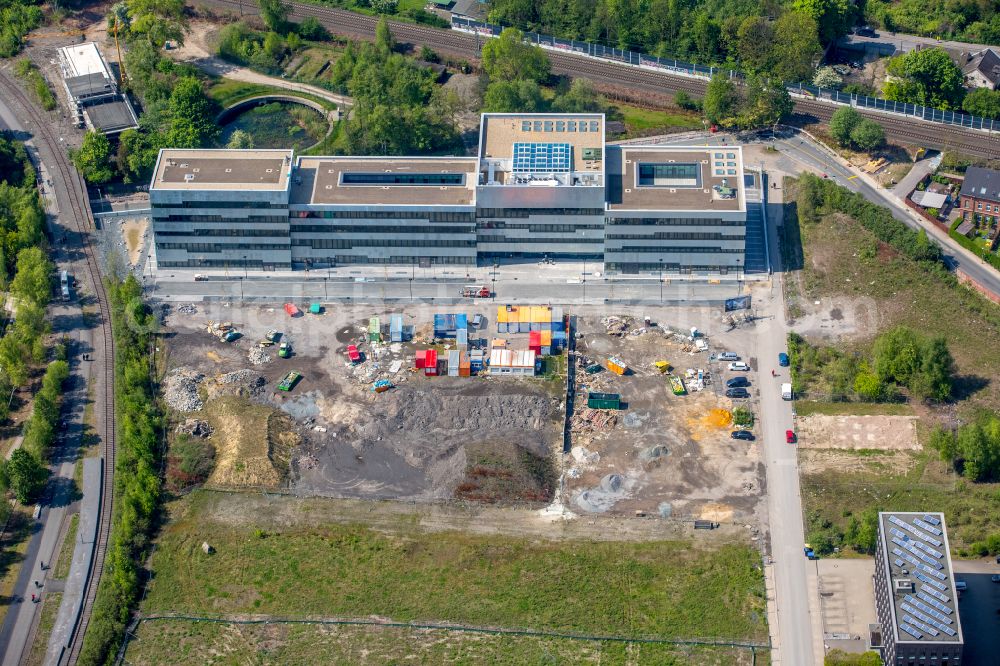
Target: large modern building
{"type": "Point", "coordinates": [915, 593]}
{"type": "Point", "coordinates": [541, 186]}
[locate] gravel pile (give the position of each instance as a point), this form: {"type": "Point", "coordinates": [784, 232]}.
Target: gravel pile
{"type": "Point", "coordinates": [188, 309]}
{"type": "Point", "coordinates": [181, 390]}
{"type": "Point", "coordinates": [247, 379]}
{"type": "Point", "coordinates": [258, 356]}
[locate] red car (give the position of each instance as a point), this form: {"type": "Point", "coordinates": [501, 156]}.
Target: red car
{"type": "Point", "coordinates": [790, 436]}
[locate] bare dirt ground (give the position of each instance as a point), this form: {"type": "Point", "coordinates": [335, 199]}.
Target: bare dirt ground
{"type": "Point", "coordinates": [420, 441]}
{"type": "Point", "coordinates": [816, 461]}
{"type": "Point", "coordinates": [837, 318]}
{"type": "Point", "coordinates": [662, 454]}
{"type": "Point", "coordinates": [134, 232]}
{"type": "Point", "coordinates": [884, 433]}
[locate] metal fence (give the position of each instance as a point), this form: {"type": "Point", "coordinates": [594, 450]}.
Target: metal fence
{"type": "Point", "coordinates": [682, 68]}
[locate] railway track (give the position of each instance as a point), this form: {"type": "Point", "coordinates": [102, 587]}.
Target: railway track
{"type": "Point", "coordinates": [909, 130]}
{"type": "Point", "coordinates": [65, 176]}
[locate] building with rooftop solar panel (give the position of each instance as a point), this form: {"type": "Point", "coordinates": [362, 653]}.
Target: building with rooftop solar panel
{"type": "Point", "coordinates": [915, 593]}
{"type": "Point", "coordinates": [541, 186]}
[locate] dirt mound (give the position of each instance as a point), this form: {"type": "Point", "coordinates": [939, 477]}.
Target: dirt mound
{"type": "Point", "coordinates": [713, 419]}
{"type": "Point", "coordinates": [253, 443]}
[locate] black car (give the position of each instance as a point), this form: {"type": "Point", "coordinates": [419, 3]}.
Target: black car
{"type": "Point", "coordinates": [866, 31]}
{"type": "Point", "coordinates": [742, 434]}
{"type": "Point", "coordinates": [737, 382]}
{"type": "Point", "coordinates": [737, 393]}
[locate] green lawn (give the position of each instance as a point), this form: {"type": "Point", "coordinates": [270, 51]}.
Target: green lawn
{"type": "Point", "coordinates": [663, 589]}
{"type": "Point", "coordinates": [640, 120]}
{"type": "Point", "coordinates": [66, 550]}
{"type": "Point", "coordinates": [227, 92]}
{"type": "Point", "coordinates": [177, 642]}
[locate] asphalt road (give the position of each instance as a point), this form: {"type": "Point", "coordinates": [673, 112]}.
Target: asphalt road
{"type": "Point", "coordinates": [904, 43]}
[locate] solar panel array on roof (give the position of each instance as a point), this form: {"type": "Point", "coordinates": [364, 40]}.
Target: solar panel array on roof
{"type": "Point", "coordinates": [560, 125]}
{"type": "Point", "coordinates": [542, 157]}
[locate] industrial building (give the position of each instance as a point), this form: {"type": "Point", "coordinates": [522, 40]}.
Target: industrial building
{"type": "Point", "coordinates": [92, 92]}
{"type": "Point", "coordinates": [543, 186]}
{"type": "Point", "coordinates": [915, 594]}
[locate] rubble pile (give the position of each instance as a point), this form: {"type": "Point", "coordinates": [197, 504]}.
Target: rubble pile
{"type": "Point", "coordinates": [246, 379]}
{"type": "Point", "coordinates": [616, 326]}
{"type": "Point", "coordinates": [181, 390]}
{"type": "Point", "coordinates": [194, 427]}
{"type": "Point", "coordinates": [187, 308]}
{"type": "Point", "coordinates": [258, 356]}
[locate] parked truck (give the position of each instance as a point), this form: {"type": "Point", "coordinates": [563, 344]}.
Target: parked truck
{"type": "Point", "coordinates": [786, 391]}
{"type": "Point", "coordinates": [476, 291]}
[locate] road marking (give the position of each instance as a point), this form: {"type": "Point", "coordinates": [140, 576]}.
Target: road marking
{"type": "Point", "coordinates": [851, 177]}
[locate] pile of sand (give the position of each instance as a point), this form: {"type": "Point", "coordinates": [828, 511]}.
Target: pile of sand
{"type": "Point", "coordinates": [713, 419]}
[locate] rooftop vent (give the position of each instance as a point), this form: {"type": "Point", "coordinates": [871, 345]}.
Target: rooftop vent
{"type": "Point", "coordinates": [268, 170]}
{"type": "Point", "coordinates": [188, 177]}
{"type": "Point", "coordinates": [229, 170]}
{"type": "Point", "coordinates": [196, 170]}
{"type": "Point", "coordinates": [184, 165]}
{"type": "Point", "coordinates": [903, 585]}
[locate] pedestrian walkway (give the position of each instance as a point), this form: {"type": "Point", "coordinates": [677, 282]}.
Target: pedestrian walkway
{"type": "Point", "coordinates": [79, 570]}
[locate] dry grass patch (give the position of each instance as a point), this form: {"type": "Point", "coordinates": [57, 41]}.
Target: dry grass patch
{"type": "Point", "coordinates": [253, 443]}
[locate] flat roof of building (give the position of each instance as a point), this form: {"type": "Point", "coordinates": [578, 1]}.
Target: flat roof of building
{"type": "Point", "coordinates": [111, 116]}
{"type": "Point", "coordinates": [83, 59]}
{"type": "Point", "coordinates": [94, 84]}
{"type": "Point", "coordinates": [584, 132]}
{"type": "Point", "coordinates": [682, 178]}
{"type": "Point", "coordinates": [385, 181]}
{"type": "Point", "coordinates": [925, 602]}
{"type": "Point", "coordinates": [204, 169]}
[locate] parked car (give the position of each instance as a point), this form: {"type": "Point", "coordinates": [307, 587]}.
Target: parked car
{"type": "Point", "coordinates": [783, 359]}
{"type": "Point", "coordinates": [200, 278]}
{"type": "Point", "coordinates": [866, 31]}
{"type": "Point", "coordinates": [790, 436]}
{"type": "Point", "coordinates": [728, 356]}
{"type": "Point", "coordinates": [742, 434]}
{"type": "Point", "coordinates": [995, 578]}
{"type": "Point", "coordinates": [737, 393]}
{"type": "Point", "coordinates": [737, 382]}
{"type": "Point", "coordinates": [739, 366]}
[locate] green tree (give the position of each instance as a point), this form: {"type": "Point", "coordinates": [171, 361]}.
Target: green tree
{"type": "Point", "coordinates": [240, 139]}
{"type": "Point", "coordinates": [767, 102]}
{"type": "Point", "coordinates": [384, 40]}
{"type": "Point", "coordinates": [510, 58]}
{"type": "Point", "coordinates": [706, 38]}
{"type": "Point", "coordinates": [580, 98]}
{"type": "Point", "coordinates": [833, 17]}
{"type": "Point", "coordinates": [720, 100]}
{"type": "Point", "coordinates": [310, 28]}
{"type": "Point", "coordinates": [842, 123]}
{"type": "Point", "coordinates": [934, 381]}
{"type": "Point", "coordinates": [27, 476]}
{"type": "Point", "coordinates": [983, 102]}
{"type": "Point", "coordinates": [93, 158]}
{"type": "Point", "coordinates": [275, 14]}
{"type": "Point", "coordinates": [756, 44]}
{"type": "Point", "coordinates": [868, 135]}
{"type": "Point", "coordinates": [192, 115]}
{"type": "Point", "coordinates": [512, 97]}
{"type": "Point", "coordinates": [927, 77]}
{"type": "Point", "coordinates": [868, 386]}
{"type": "Point", "coordinates": [32, 281]}
{"type": "Point", "coordinates": [158, 21]}
{"type": "Point", "coordinates": [796, 46]}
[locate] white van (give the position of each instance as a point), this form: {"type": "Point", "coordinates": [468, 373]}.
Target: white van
{"type": "Point", "coordinates": [739, 366]}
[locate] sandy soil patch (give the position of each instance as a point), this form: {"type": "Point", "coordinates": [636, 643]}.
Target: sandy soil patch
{"type": "Point", "coordinates": [251, 443]}
{"type": "Point", "coordinates": [885, 433]}
{"type": "Point", "coordinates": [134, 232]}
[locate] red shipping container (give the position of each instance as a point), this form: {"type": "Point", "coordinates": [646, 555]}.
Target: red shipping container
{"type": "Point", "coordinates": [421, 358]}
{"type": "Point", "coordinates": [431, 362]}
{"type": "Point", "coordinates": [535, 339]}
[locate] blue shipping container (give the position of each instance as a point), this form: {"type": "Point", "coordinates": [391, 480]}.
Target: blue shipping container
{"type": "Point", "coordinates": [501, 327]}
{"type": "Point", "coordinates": [461, 321]}
{"type": "Point", "coordinates": [462, 338]}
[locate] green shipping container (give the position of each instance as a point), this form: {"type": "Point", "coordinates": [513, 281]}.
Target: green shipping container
{"type": "Point", "coordinates": [374, 330]}
{"type": "Point", "coordinates": [604, 401]}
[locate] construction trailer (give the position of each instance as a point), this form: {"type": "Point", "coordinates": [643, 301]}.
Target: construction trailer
{"type": "Point", "coordinates": [374, 330]}
{"type": "Point", "coordinates": [512, 362]}
{"type": "Point", "coordinates": [431, 363]}
{"type": "Point", "coordinates": [477, 359]}
{"type": "Point", "coordinates": [533, 319]}
{"type": "Point", "coordinates": [447, 325]}
{"type": "Point", "coordinates": [462, 338]}
{"type": "Point", "coordinates": [454, 360]}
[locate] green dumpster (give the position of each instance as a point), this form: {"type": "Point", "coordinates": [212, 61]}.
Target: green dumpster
{"type": "Point", "coordinates": [604, 401]}
{"type": "Point", "coordinates": [315, 308]}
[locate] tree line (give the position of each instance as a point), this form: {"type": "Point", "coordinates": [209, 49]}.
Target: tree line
{"type": "Point", "coordinates": [930, 77]}
{"type": "Point", "coordinates": [137, 482]}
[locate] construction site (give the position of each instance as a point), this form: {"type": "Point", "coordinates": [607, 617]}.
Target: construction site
{"type": "Point", "coordinates": [467, 403]}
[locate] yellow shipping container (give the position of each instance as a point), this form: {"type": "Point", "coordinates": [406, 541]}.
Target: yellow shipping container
{"type": "Point", "coordinates": [524, 315]}
{"type": "Point", "coordinates": [546, 338]}
{"type": "Point", "coordinates": [502, 314]}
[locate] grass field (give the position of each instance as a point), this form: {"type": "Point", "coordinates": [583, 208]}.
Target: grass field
{"type": "Point", "coordinates": [902, 293]}
{"type": "Point", "coordinates": [664, 589]}
{"type": "Point", "coordinates": [972, 510]}
{"type": "Point", "coordinates": [185, 642]}
{"type": "Point", "coordinates": [66, 549]}
{"type": "Point", "coordinates": [645, 121]}
{"type": "Point", "coordinates": [50, 608]}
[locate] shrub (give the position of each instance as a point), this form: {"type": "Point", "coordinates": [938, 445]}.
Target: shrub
{"type": "Point", "coordinates": [189, 462]}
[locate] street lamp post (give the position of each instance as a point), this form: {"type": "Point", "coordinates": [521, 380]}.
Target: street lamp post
{"type": "Point", "coordinates": [661, 280]}
{"type": "Point", "coordinates": [241, 290]}
{"type": "Point", "coordinates": [246, 274]}
{"type": "Point", "coordinates": [584, 280]}
{"type": "Point", "coordinates": [739, 286]}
